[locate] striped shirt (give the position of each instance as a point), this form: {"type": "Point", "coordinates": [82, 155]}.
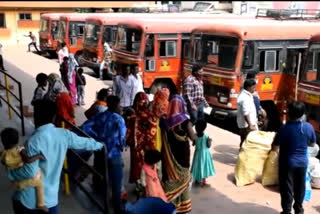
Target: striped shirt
{"type": "Point", "coordinates": [193, 91]}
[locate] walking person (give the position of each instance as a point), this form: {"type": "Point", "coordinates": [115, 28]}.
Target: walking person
{"type": "Point", "coordinates": [202, 164]}
{"type": "Point", "coordinates": [107, 53]}
{"type": "Point", "coordinates": [293, 140]}
{"type": "Point", "coordinates": [53, 144]}
{"type": "Point", "coordinates": [123, 87]}
{"type": "Point", "coordinates": [72, 66]}
{"type": "Point", "coordinates": [81, 82]}
{"type": "Point", "coordinates": [193, 94]}
{"type": "Point", "coordinates": [33, 42]}
{"type": "Point", "coordinates": [63, 52]}
{"type": "Point", "coordinates": [176, 155]}
{"type": "Point", "coordinates": [100, 105]}
{"type": "Point", "coordinates": [109, 127]}
{"type": "Point", "coordinates": [246, 113]}
{"type": "Point", "coordinates": [39, 92]}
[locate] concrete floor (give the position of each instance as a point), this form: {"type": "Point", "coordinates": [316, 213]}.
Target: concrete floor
{"type": "Point", "coordinates": [222, 197]}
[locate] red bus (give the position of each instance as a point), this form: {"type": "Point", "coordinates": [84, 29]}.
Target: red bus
{"type": "Point", "coordinates": [48, 33]}
{"type": "Point", "coordinates": [235, 48]}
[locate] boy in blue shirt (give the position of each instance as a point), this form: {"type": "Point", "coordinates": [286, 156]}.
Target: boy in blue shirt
{"type": "Point", "coordinates": [293, 138]}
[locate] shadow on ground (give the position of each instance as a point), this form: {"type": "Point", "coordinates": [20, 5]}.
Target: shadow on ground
{"type": "Point", "coordinates": [226, 154]}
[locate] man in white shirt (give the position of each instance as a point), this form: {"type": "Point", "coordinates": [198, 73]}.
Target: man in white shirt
{"type": "Point", "coordinates": [137, 81]}
{"type": "Point", "coordinates": [247, 114]}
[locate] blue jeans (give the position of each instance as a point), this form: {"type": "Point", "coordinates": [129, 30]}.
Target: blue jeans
{"type": "Point", "coordinates": [18, 208]}
{"type": "Point", "coordinates": [196, 115]}
{"type": "Point", "coordinates": [115, 169]}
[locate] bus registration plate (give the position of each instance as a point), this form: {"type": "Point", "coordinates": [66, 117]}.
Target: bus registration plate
{"type": "Point", "coordinates": [312, 99]}
{"type": "Point", "coordinates": [216, 80]}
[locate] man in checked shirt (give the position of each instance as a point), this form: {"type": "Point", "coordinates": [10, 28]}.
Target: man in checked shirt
{"type": "Point", "coordinates": [193, 94]}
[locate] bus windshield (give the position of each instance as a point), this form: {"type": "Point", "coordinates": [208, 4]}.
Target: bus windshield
{"type": "Point", "coordinates": [44, 25]}
{"type": "Point", "coordinates": [129, 39]}
{"type": "Point", "coordinates": [54, 29]}
{"type": "Point", "coordinates": [62, 29]}
{"type": "Point", "coordinates": [109, 34]}
{"type": "Point", "coordinates": [217, 51]}
{"type": "Point", "coordinates": [312, 69]}
{"type": "Point", "coordinates": [91, 34]}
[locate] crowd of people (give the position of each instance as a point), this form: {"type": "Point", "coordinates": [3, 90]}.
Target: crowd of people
{"type": "Point", "coordinates": [158, 133]}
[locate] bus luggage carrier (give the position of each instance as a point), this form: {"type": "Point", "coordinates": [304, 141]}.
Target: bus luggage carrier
{"type": "Point", "coordinates": [289, 14]}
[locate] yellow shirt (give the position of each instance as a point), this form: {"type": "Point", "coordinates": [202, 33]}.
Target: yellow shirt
{"type": "Point", "coordinates": [12, 158]}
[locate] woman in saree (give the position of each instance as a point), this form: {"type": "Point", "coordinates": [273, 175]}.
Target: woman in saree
{"type": "Point", "coordinates": [142, 129]}
{"type": "Point", "coordinates": [58, 93]}
{"type": "Point", "coordinates": [72, 66]}
{"type": "Point", "coordinates": [176, 133]}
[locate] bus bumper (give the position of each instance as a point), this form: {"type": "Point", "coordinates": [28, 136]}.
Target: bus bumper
{"type": "Point", "coordinates": [93, 65]}
{"type": "Point", "coordinates": [221, 114]}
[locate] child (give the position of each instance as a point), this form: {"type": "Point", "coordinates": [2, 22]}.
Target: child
{"type": "Point", "coordinates": [39, 92]}
{"type": "Point", "coordinates": [14, 157]}
{"type": "Point", "coordinates": [149, 176]}
{"type": "Point", "coordinates": [81, 82]}
{"type": "Point", "coordinates": [202, 166]}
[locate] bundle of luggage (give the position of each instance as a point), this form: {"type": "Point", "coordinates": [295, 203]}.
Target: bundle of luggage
{"type": "Point", "coordinates": [314, 166]}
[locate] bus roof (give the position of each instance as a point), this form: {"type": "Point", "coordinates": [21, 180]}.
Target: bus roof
{"type": "Point", "coordinates": [173, 24]}
{"type": "Point", "coordinates": [53, 16]}
{"type": "Point", "coordinates": [76, 16]}
{"type": "Point", "coordinates": [257, 28]}
{"type": "Point", "coordinates": [115, 18]}
{"type": "Point", "coordinates": [315, 38]}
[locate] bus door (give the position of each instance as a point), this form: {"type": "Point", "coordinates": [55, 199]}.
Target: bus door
{"type": "Point", "coordinates": [295, 53]}
{"type": "Point", "coordinates": [270, 58]}
{"type": "Point", "coordinates": [169, 56]}
{"type": "Point", "coordinates": [76, 30]}
{"type": "Point", "coordinates": [149, 60]}
{"type": "Point", "coordinates": [185, 54]}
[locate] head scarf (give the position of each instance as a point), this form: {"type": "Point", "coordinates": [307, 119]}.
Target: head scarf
{"type": "Point", "coordinates": [160, 102]}
{"type": "Point", "coordinates": [56, 86]}
{"type": "Point", "coordinates": [176, 112]}
{"type": "Point", "coordinates": [72, 63]}
{"type": "Point", "coordinates": [140, 103]}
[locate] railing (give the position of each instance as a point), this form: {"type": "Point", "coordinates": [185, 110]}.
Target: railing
{"type": "Point", "coordinates": [18, 98]}
{"type": "Point", "coordinates": [104, 208]}
{"type": "Point", "coordinates": [287, 14]}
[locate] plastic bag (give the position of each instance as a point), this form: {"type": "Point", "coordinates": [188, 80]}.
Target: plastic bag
{"type": "Point", "coordinates": [313, 151]}
{"type": "Point", "coordinates": [312, 163]}
{"type": "Point", "coordinates": [270, 175]}
{"type": "Point", "coordinates": [315, 177]}
{"type": "Point", "coordinates": [252, 157]}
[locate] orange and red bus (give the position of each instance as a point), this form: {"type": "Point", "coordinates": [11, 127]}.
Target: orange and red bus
{"type": "Point", "coordinates": [230, 50]}
{"type": "Point", "coordinates": [158, 46]}
{"type": "Point", "coordinates": [49, 32]}
{"type": "Point", "coordinates": [309, 84]}
{"type": "Point", "coordinates": [71, 29]}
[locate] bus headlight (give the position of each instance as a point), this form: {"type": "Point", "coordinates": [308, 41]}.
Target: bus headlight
{"type": "Point", "coordinates": [98, 59]}
{"type": "Point", "coordinates": [94, 59]}
{"type": "Point", "coordinates": [223, 99]}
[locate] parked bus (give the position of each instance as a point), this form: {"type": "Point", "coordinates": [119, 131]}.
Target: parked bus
{"type": "Point", "coordinates": [230, 50]}
{"type": "Point", "coordinates": [48, 33]}
{"type": "Point", "coordinates": [309, 84]}
{"type": "Point", "coordinates": [71, 28]}
{"type": "Point", "coordinates": [158, 46]}
{"type": "Point", "coordinates": [107, 23]}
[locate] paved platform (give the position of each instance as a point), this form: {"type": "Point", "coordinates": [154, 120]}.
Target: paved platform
{"type": "Point", "coordinates": [222, 197]}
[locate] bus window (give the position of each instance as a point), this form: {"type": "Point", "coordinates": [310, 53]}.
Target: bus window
{"type": "Point", "coordinates": [248, 57]}
{"type": "Point", "coordinates": [219, 51]}
{"type": "Point", "coordinates": [129, 39]}
{"type": "Point", "coordinates": [150, 46]}
{"type": "Point", "coordinates": [310, 71]}
{"type": "Point", "coordinates": [269, 60]}
{"type": "Point", "coordinates": [91, 34]}
{"type": "Point", "coordinates": [44, 25]}
{"type": "Point", "coordinates": [54, 29]}
{"type": "Point", "coordinates": [186, 49]}
{"type": "Point", "coordinates": [62, 29]}
{"type": "Point", "coordinates": [168, 48]}
{"type": "Point", "coordinates": [293, 60]}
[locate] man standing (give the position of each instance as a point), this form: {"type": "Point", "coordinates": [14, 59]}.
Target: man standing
{"type": "Point", "coordinates": [137, 81]}
{"type": "Point", "coordinates": [123, 87]}
{"type": "Point", "coordinates": [53, 144]}
{"type": "Point", "coordinates": [293, 138]}
{"type": "Point", "coordinates": [246, 114]}
{"type": "Point", "coordinates": [107, 54]}
{"type": "Point", "coordinates": [33, 42]}
{"type": "Point", "coordinates": [109, 127]}
{"type": "Point", "coordinates": [63, 52]}
{"type": "Point", "coordinates": [193, 94]}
